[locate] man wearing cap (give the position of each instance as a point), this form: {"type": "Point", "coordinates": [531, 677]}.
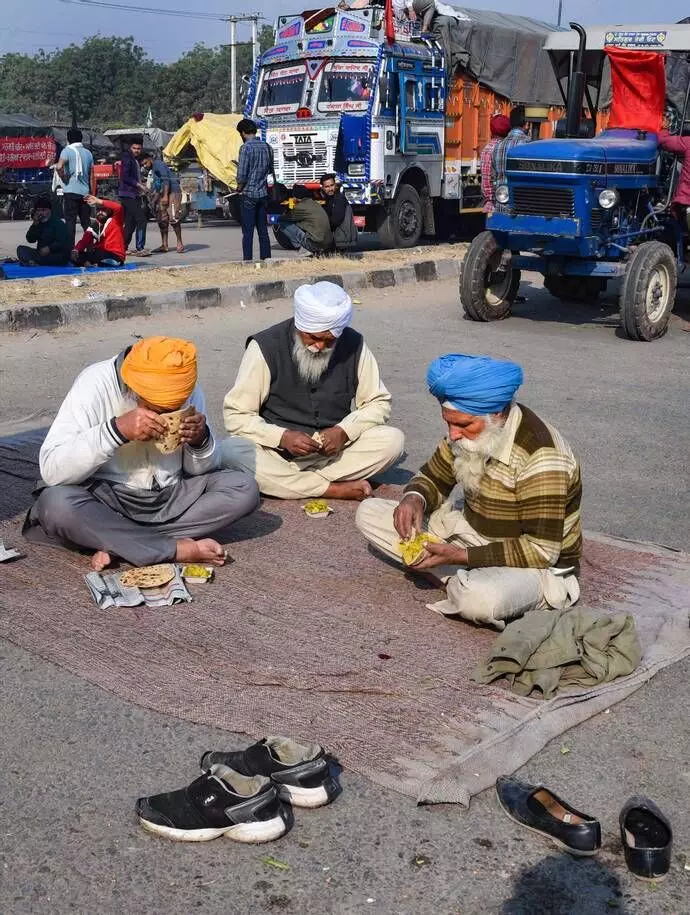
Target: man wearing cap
{"type": "Point", "coordinates": [308, 409]}
{"type": "Point", "coordinates": [500, 128]}
{"type": "Point", "coordinates": [105, 485]}
{"type": "Point", "coordinates": [515, 544]}
{"type": "Point", "coordinates": [48, 232]}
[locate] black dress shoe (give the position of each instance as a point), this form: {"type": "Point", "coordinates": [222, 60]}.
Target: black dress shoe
{"type": "Point", "coordinates": [540, 810]}
{"type": "Point", "coordinates": [647, 839]}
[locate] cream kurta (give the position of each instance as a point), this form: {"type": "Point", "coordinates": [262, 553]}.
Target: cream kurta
{"type": "Point", "coordinates": [373, 446]}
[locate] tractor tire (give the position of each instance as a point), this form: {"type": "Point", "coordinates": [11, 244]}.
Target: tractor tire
{"type": "Point", "coordinates": [648, 291]}
{"type": "Point", "coordinates": [488, 284]}
{"type": "Point", "coordinates": [575, 288]}
{"type": "Point", "coordinates": [402, 227]}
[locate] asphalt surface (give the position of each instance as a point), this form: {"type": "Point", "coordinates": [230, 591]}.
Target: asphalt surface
{"type": "Point", "coordinates": [74, 758]}
{"type": "Point", "coordinates": [216, 240]}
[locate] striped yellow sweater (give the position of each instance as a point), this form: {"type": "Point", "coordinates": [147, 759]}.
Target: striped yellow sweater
{"type": "Point", "coordinates": [528, 502]}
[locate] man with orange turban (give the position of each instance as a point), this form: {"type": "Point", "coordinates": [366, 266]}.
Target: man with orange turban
{"type": "Point", "coordinates": [106, 486]}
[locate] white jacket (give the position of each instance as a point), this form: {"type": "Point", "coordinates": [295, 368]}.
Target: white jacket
{"type": "Point", "coordinates": [84, 442]}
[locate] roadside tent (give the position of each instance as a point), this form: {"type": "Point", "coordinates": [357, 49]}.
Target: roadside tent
{"type": "Point", "coordinates": [154, 138]}
{"type": "Point", "coordinates": [216, 142]}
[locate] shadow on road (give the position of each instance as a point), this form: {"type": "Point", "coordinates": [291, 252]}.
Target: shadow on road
{"type": "Point", "coordinates": [563, 885]}
{"type": "Point", "coordinates": [19, 471]}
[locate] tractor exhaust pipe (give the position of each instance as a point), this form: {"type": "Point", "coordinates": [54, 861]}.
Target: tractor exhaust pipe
{"type": "Point", "coordinates": [576, 89]}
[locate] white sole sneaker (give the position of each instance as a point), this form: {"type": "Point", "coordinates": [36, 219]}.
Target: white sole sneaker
{"type": "Point", "coordinates": [303, 797]}
{"type": "Point", "coordinates": [249, 833]}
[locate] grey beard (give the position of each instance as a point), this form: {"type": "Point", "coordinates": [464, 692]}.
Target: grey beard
{"type": "Point", "coordinates": [472, 456]}
{"type": "Point", "coordinates": [310, 366]}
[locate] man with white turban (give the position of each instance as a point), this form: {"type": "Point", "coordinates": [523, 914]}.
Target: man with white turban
{"type": "Point", "coordinates": [308, 410]}
{"type": "Point", "coordinates": [516, 542]}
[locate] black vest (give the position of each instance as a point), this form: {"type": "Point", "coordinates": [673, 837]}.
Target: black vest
{"type": "Point", "coordinates": [293, 402]}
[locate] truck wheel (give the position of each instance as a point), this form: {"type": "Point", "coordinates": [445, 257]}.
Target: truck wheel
{"type": "Point", "coordinates": [402, 227]}
{"type": "Point", "coordinates": [488, 284]}
{"type": "Point", "coordinates": [284, 241]}
{"type": "Point", "coordinates": [648, 291]}
{"type": "Point", "coordinates": [575, 288]}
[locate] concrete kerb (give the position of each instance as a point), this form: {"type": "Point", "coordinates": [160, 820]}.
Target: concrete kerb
{"type": "Point", "coordinates": [241, 295]}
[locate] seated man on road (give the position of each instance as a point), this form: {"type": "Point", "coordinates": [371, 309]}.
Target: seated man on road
{"type": "Point", "coordinates": [49, 233]}
{"type": "Point", "coordinates": [340, 215]}
{"type": "Point", "coordinates": [104, 244]}
{"type": "Point", "coordinates": [306, 225]}
{"type": "Point", "coordinates": [516, 544]}
{"type": "Point", "coordinates": [310, 375]}
{"type": "Point", "coordinates": [107, 487]}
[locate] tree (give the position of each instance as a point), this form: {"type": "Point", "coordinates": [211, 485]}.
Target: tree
{"type": "Point", "coordinates": [113, 81]}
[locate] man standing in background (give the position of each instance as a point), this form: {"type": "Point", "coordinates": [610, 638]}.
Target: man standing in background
{"type": "Point", "coordinates": [166, 199]}
{"type": "Point", "coordinates": [499, 127]}
{"type": "Point", "coordinates": [254, 165]}
{"type": "Point", "coordinates": [132, 195]}
{"type": "Point", "coordinates": [75, 170]}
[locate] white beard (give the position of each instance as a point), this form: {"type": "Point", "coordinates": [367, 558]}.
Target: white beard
{"type": "Point", "coordinates": [472, 455]}
{"type": "Point", "coordinates": [310, 364]}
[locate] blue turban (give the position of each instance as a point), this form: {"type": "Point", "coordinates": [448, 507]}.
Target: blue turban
{"type": "Point", "coordinates": [473, 384]}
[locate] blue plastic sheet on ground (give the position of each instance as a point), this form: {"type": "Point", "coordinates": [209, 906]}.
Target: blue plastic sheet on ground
{"type": "Point", "coordinates": [17, 272]}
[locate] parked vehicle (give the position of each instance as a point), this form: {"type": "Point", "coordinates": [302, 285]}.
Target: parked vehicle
{"type": "Point", "coordinates": [587, 211]}
{"type": "Point", "coordinates": [400, 118]}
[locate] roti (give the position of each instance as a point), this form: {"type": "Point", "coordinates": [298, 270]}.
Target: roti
{"type": "Point", "coordinates": [172, 421]}
{"type": "Point", "coordinates": [148, 576]}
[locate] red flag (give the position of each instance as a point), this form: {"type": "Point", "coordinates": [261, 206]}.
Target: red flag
{"type": "Point", "coordinates": [638, 81]}
{"type": "Point", "coordinates": [390, 22]}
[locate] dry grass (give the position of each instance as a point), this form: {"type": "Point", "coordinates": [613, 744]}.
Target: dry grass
{"type": "Point", "coordinates": [15, 293]}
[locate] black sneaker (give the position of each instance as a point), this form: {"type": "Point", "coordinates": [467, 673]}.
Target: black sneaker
{"type": "Point", "coordinates": [219, 803]}
{"type": "Point", "coordinates": [301, 773]}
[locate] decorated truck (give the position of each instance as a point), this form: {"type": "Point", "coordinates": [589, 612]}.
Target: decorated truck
{"type": "Point", "coordinates": [400, 117]}
{"type": "Point", "coordinates": [588, 210]}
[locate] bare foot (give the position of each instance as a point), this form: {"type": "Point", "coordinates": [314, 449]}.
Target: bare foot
{"type": "Point", "coordinates": [100, 560]}
{"type": "Point", "coordinates": [355, 490]}
{"type": "Point", "coordinates": [200, 551]}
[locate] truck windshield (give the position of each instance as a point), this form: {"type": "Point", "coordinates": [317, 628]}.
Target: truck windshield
{"type": "Point", "coordinates": [281, 90]}
{"type": "Point", "coordinates": [346, 86]}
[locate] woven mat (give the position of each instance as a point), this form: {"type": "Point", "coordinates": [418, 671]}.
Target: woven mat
{"type": "Point", "coordinates": [309, 634]}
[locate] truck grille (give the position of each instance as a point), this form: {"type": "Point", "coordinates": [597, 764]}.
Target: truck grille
{"type": "Point", "coordinates": [303, 163]}
{"type": "Point", "coordinates": [596, 220]}
{"type": "Point", "coordinates": [544, 201]}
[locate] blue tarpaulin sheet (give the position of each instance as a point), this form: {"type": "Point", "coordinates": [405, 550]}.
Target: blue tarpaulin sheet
{"type": "Point", "coordinates": [17, 272]}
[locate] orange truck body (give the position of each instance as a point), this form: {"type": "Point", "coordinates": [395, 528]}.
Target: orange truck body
{"type": "Point", "coordinates": [469, 109]}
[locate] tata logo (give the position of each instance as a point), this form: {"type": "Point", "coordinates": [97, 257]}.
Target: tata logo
{"type": "Point", "coordinates": [303, 139]}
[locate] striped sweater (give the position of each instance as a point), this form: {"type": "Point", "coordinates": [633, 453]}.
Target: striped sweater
{"type": "Point", "coordinates": [528, 502]}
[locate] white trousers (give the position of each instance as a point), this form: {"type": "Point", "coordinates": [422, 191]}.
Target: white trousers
{"type": "Point", "coordinates": [488, 596]}
{"type": "Point", "coordinates": [309, 477]}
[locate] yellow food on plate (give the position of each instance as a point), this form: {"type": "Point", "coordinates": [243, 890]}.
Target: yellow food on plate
{"type": "Point", "coordinates": [412, 551]}
{"type": "Point", "coordinates": [317, 507]}
{"type": "Point", "coordinates": [194, 572]}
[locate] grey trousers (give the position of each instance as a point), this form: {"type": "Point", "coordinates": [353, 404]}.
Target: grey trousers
{"type": "Point", "coordinates": [72, 515]}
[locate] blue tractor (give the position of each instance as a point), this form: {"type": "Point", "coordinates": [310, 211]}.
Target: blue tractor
{"type": "Point", "coordinates": [584, 210]}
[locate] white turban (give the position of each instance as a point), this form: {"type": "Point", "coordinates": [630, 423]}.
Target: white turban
{"type": "Point", "coordinates": [323, 306]}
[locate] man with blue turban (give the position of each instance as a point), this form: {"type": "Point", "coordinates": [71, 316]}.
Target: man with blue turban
{"type": "Point", "coordinates": [515, 542]}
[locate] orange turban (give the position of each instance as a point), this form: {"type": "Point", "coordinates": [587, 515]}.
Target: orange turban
{"type": "Point", "coordinates": [161, 370]}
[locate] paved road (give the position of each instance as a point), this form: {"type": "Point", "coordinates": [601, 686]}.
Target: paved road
{"type": "Point", "coordinates": [216, 241]}
{"type": "Point", "coordinates": [74, 757]}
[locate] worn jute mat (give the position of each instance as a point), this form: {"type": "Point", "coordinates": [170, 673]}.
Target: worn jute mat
{"type": "Point", "coordinates": [310, 634]}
